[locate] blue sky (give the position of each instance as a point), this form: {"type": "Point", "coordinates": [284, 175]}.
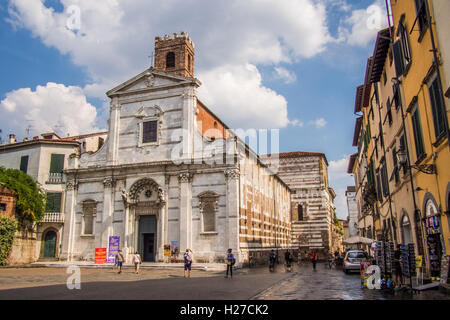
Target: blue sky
{"type": "Point", "coordinates": [294, 67]}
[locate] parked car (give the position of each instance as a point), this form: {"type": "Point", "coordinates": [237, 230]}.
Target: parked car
{"type": "Point", "coordinates": [353, 259]}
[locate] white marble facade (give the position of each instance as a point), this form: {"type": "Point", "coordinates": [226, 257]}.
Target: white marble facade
{"type": "Point", "coordinates": [163, 187]}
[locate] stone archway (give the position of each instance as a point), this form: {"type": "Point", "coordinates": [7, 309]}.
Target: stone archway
{"type": "Point", "coordinates": [145, 202]}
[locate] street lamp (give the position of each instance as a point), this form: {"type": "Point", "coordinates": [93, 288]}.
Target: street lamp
{"type": "Point", "coordinates": [402, 158]}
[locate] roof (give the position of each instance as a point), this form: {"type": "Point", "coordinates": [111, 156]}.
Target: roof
{"type": "Point", "coordinates": [358, 124]}
{"type": "Point", "coordinates": [351, 163]}
{"type": "Point", "coordinates": [38, 141]}
{"type": "Point", "coordinates": [297, 154]}
{"type": "Point", "coordinates": [351, 188]}
{"type": "Point", "coordinates": [86, 135]}
{"type": "Point", "coordinates": [379, 55]}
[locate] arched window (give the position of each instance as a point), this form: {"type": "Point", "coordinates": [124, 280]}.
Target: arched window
{"type": "Point", "coordinates": [300, 212]}
{"type": "Point", "coordinates": [89, 213]}
{"type": "Point", "coordinates": [208, 205]}
{"type": "Point", "coordinates": [170, 60]}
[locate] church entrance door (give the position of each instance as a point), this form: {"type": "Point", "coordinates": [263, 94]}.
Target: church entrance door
{"type": "Point", "coordinates": [147, 237]}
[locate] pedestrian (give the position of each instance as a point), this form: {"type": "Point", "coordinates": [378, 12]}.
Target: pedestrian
{"type": "Point", "coordinates": [288, 258]}
{"type": "Point", "coordinates": [230, 262]}
{"type": "Point", "coordinates": [187, 262]}
{"type": "Point", "coordinates": [314, 259]}
{"type": "Point", "coordinates": [272, 258]}
{"type": "Point", "coordinates": [137, 261]}
{"type": "Point", "coordinates": [119, 261]}
{"type": "Point", "coordinates": [398, 276]}
{"type": "Point", "coordinates": [299, 258]}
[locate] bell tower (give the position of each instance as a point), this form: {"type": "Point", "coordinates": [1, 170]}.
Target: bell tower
{"type": "Point", "coordinates": [175, 55]}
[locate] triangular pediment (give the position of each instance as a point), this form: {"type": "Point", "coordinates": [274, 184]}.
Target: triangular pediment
{"type": "Point", "coordinates": [151, 79]}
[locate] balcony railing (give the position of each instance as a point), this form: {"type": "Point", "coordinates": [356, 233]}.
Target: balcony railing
{"type": "Point", "coordinates": [53, 217]}
{"type": "Point", "coordinates": [55, 177]}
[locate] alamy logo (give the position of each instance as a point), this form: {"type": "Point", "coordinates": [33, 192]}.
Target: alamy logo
{"type": "Point", "coordinates": [74, 280]}
{"type": "Point", "coordinates": [74, 18]}
{"type": "Point", "coordinates": [374, 280]}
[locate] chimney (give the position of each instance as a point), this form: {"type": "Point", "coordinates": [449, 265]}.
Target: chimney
{"type": "Point", "coordinates": [12, 138]}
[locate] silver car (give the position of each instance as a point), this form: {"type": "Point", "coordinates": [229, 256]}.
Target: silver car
{"type": "Point", "coordinates": [353, 260]}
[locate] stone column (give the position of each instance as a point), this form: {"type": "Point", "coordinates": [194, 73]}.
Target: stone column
{"type": "Point", "coordinates": [69, 220]}
{"type": "Point", "coordinates": [189, 105]}
{"type": "Point", "coordinates": [233, 215]}
{"type": "Point", "coordinates": [108, 210]}
{"type": "Point", "coordinates": [185, 220]}
{"type": "Point", "coordinates": [113, 134]}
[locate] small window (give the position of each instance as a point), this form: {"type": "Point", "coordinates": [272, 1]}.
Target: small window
{"type": "Point", "coordinates": [418, 138]}
{"type": "Point", "coordinates": [300, 212]}
{"type": "Point", "coordinates": [421, 12]}
{"type": "Point", "coordinates": [89, 212]}
{"type": "Point", "coordinates": [189, 62]}
{"type": "Point", "coordinates": [57, 163]}
{"type": "Point", "coordinates": [53, 202]}
{"type": "Point", "coordinates": [150, 131]}
{"type": "Point", "coordinates": [437, 107]}
{"type": "Point", "coordinates": [170, 60]}
{"type": "Point", "coordinates": [101, 141]}
{"type": "Point", "coordinates": [2, 206]}
{"type": "Point", "coordinates": [24, 164]}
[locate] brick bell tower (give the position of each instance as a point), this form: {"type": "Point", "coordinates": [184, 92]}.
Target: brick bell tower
{"type": "Point", "coordinates": [175, 55]}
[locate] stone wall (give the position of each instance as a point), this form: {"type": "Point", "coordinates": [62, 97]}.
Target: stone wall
{"type": "Point", "coordinates": [23, 249]}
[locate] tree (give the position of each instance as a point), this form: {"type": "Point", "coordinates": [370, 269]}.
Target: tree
{"type": "Point", "coordinates": [30, 204]}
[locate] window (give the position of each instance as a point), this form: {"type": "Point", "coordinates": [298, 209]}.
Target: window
{"type": "Point", "coordinates": [57, 163]}
{"type": "Point", "coordinates": [53, 202]}
{"type": "Point", "coordinates": [379, 192]}
{"type": "Point", "coordinates": [89, 212]}
{"type": "Point", "coordinates": [403, 148]}
{"type": "Point", "coordinates": [300, 212]}
{"type": "Point", "coordinates": [402, 53]}
{"type": "Point", "coordinates": [208, 205]}
{"type": "Point", "coordinates": [2, 206]}
{"type": "Point", "coordinates": [396, 172]}
{"type": "Point", "coordinates": [24, 164]}
{"type": "Point", "coordinates": [418, 139]}
{"type": "Point", "coordinates": [437, 106]}
{"type": "Point", "coordinates": [150, 131]}
{"type": "Point", "coordinates": [384, 180]}
{"type": "Point", "coordinates": [101, 141]}
{"type": "Point", "coordinates": [396, 98]}
{"type": "Point", "coordinates": [170, 60]}
{"type": "Point", "coordinates": [189, 62]}
{"type": "Point", "coordinates": [389, 111]}
{"type": "Point", "coordinates": [421, 19]}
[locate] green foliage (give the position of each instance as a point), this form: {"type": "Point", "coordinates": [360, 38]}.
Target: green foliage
{"type": "Point", "coordinates": [8, 227]}
{"type": "Point", "coordinates": [30, 203]}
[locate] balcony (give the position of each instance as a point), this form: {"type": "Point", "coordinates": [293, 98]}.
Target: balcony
{"type": "Point", "coordinates": [55, 217]}
{"type": "Point", "coordinates": [55, 178]}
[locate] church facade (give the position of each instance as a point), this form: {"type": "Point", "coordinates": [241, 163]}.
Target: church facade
{"type": "Point", "coordinates": [170, 171]}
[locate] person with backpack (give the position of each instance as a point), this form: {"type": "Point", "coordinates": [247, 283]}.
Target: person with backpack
{"type": "Point", "coordinates": [187, 262]}
{"type": "Point", "coordinates": [119, 261]}
{"type": "Point", "coordinates": [230, 263]}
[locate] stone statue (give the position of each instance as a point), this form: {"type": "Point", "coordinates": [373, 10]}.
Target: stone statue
{"type": "Point", "coordinates": [125, 197]}
{"type": "Point", "coordinates": [161, 195]}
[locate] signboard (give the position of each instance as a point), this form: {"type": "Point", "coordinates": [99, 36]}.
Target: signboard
{"type": "Point", "coordinates": [419, 262]}
{"type": "Point", "coordinates": [114, 246]}
{"type": "Point", "coordinates": [100, 255]}
{"type": "Point", "coordinates": [167, 250]}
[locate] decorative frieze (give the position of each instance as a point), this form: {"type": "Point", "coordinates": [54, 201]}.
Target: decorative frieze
{"type": "Point", "coordinates": [232, 173]}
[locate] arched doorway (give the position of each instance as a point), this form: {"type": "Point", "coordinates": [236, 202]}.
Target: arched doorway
{"type": "Point", "coordinates": [406, 230]}
{"type": "Point", "coordinates": [49, 244]}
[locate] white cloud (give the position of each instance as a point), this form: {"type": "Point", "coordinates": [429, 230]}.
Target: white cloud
{"type": "Point", "coordinates": [318, 123]}
{"type": "Point", "coordinates": [116, 37]}
{"type": "Point", "coordinates": [53, 107]}
{"type": "Point", "coordinates": [296, 123]}
{"type": "Point", "coordinates": [363, 25]}
{"type": "Point", "coordinates": [236, 95]}
{"type": "Point", "coordinates": [339, 180]}
{"type": "Point", "coordinates": [285, 75]}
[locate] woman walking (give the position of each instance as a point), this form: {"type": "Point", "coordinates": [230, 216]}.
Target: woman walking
{"type": "Point", "coordinates": [230, 263]}
{"type": "Point", "coordinates": [137, 261]}
{"type": "Point", "coordinates": [187, 262]}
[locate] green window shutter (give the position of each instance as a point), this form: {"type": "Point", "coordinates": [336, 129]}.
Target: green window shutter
{"type": "Point", "coordinates": [53, 202]}
{"type": "Point", "coordinates": [437, 106]}
{"type": "Point", "coordinates": [24, 164]}
{"type": "Point", "coordinates": [57, 163]}
{"type": "Point", "coordinates": [418, 139]}
{"type": "Point", "coordinates": [398, 58]}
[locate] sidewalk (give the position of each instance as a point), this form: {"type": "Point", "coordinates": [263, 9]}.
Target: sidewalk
{"type": "Point", "coordinates": [144, 265]}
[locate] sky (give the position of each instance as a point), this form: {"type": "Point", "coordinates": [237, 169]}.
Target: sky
{"type": "Point", "coordinates": [291, 65]}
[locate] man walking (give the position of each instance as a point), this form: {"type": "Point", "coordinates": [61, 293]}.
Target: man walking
{"type": "Point", "coordinates": [230, 263]}
{"type": "Point", "coordinates": [119, 261]}
{"type": "Point", "coordinates": [314, 259]}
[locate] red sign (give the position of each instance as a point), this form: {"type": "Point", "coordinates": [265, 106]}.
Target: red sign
{"type": "Point", "coordinates": [100, 255]}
